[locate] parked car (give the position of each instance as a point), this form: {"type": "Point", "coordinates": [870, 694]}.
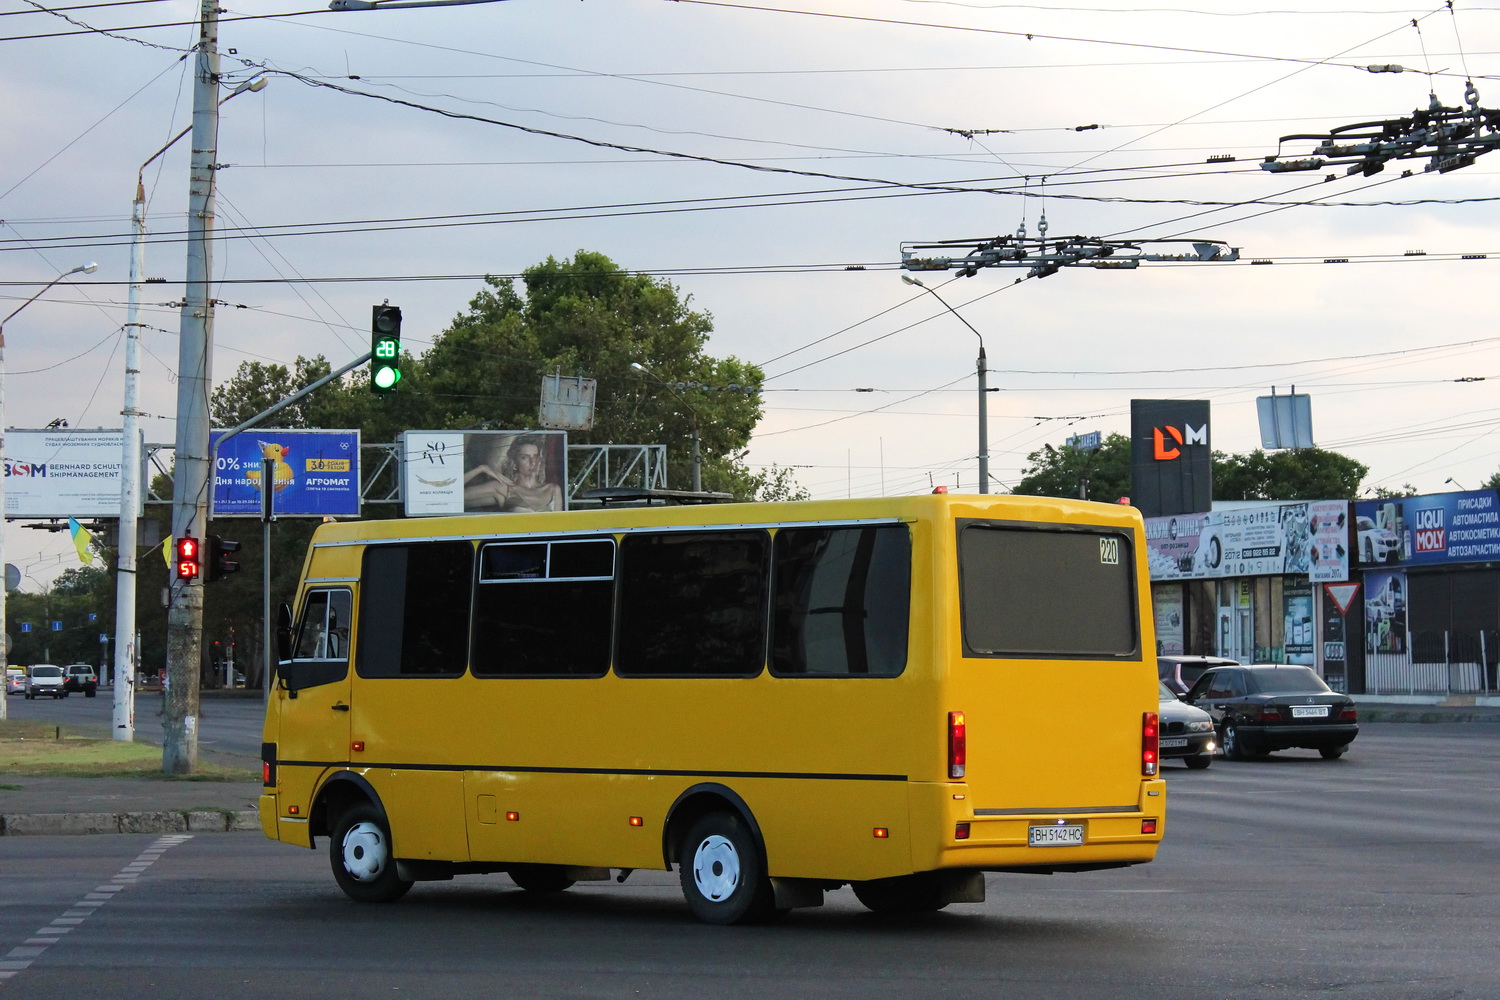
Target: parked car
{"type": "Point", "coordinates": [15, 680]}
{"type": "Point", "coordinates": [1266, 707]}
{"type": "Point", "coordinates": [1184, 731]}
{"type": "Point", "coordinates": [80, 677]}
{"type": "Point", "coordinates": [45, 678]}
{"type": "Point", "coordinates": [1179, 673]}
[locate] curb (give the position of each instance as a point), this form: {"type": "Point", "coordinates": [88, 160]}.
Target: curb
{"type": "Point", "coordinates": [168, 821]}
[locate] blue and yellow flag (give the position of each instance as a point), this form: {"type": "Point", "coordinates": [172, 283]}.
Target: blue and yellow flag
{"type": "Point", "coordinates": [83, 541]}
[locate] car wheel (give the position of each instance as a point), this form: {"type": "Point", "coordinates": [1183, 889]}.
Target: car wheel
{"type": "Point", "coordinates": [539, 878]}
{"type": "Point", "coordinates": [360, 853]}
{"type": "Point", "coordinates": [1369, 551]}
{"type": "Point", "coordinates": [1333, 753]}
{"type": "Point", "coordinates": [919, 893]}
{"type": "Point", "coordinates": [1229, 739]}
{"type": "Point", "coordinates": [1199, 762]}
{"type": "Point", "coordinates": [722, 876]}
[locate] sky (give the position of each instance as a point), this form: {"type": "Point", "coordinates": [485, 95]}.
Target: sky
{"type": "Point", "coordinates": [770, 160]}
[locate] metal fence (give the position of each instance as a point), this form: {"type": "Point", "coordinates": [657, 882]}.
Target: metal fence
{"type": "Point", "coordinates": [1437, 663]}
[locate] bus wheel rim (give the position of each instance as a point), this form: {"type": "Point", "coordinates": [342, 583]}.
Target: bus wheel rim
{"type": "Point", "coordinates": [716, 868]}
{"type": "Point", "coordinates": [364, 851]}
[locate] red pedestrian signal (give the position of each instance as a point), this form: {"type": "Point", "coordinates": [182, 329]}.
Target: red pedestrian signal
{"type": "Point", "coordinates": [189, 558]}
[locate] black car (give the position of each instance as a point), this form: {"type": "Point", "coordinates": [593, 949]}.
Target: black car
{"type": "Point", "coordinates": [1268, 707]}
{"type": "Point", "coordinates": [1180, 672]}
{"type": "Point", "coordinates": [1185, 732]}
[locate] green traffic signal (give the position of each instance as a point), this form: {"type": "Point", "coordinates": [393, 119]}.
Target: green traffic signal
{"type": "Point", "coordinates": [385, 348]}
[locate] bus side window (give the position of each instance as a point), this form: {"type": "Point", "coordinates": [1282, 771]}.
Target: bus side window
{"type": "Point", "coordinates": [842, 601]}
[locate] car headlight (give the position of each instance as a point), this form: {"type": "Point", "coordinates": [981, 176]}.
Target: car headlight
{"type": "Point", "coordinates": [1200, 727]}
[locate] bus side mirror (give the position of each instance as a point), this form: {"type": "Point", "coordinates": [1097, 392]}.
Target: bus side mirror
{"type": "Point", "coordinates": [285, 673]}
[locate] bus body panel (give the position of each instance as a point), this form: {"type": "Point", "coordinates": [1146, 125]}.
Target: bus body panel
{"type": "Point", "coordinates": [822, 763]}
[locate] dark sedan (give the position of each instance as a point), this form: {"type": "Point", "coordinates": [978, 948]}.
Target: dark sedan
{"type": "Point", "coordinates": [1267, 707]}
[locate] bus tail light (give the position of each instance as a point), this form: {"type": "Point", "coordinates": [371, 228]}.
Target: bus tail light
{"type": "Point", "coordinates": [268, 765]}
{"type": "Point", "coordinates": [1150, 733]}
{"type": "Point", "coordinates": [958, 745]}
{"type": "Point", "coordinates": [1148, 826]}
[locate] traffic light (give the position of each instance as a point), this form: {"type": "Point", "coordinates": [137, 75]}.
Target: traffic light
{"type": "Point", "coordinates": [385, 348]}
{"type": "Point", "coordinates": [189, 558]}
{"type": "Point", "coordinates": [221, 561]}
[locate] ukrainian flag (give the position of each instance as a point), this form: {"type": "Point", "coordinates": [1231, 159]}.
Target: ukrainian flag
{"type": "Point", "coordinates": [83, 541]}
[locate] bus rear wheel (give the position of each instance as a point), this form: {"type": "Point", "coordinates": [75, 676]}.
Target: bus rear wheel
{"type": "Point", "coordinates": [539, 878]}
{"type": "Point", "coordinates": [722, 875]}
{"type": "Point", "coordinates": [360, 853]}
{"type": "Point", "coordinates": [919, 893]}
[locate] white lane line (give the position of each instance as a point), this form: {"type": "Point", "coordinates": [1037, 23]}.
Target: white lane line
{"type": "Point", "coordinates": [19, 958]}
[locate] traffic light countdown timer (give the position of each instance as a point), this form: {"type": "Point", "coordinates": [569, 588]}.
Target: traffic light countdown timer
{"type": "Point", "coordinates": [207, 559]}
{"type": "Point", "coordinates": [385, 348]}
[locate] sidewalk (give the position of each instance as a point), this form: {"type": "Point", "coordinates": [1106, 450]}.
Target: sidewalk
{"type": "Point", "coordinates": [144, 805]}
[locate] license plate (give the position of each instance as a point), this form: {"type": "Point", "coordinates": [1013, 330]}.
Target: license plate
{"type": "Point", "coordinates": [1309, 711]}
{"type": "Point", "coordinates": [1174, 742]}
{"type": "Point", "coordinates": [1057, 836]}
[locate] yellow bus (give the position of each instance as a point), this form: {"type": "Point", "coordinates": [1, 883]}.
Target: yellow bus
{"type": "Point", "coordinates": [780, 699]}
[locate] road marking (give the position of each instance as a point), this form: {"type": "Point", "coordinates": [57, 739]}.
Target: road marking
{"type": "Point", "coordinates": [20, 957]}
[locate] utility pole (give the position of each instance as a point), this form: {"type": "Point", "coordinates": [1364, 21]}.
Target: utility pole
{"type": "Point", "coordinates": [194, 380]}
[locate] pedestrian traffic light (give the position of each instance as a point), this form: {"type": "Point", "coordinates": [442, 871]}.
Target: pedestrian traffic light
{"type": "Point", "coordinates": [385, 348]}
{"type": "Point", "coordinates": [221, 560]}
{"type": "Point", "coordinates": [189, 558]}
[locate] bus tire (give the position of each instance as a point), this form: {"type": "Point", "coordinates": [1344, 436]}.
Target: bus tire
{"type": "Point", "coordinates": [360, 853]}
{"type": "Point", "coordinates": [902, 894]}
{"type": "Point", "coordinates": [723, 877]}
{"type": "Point", "coordinates": [539, 878]}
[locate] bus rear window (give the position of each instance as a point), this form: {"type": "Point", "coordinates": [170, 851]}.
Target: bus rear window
{"type": "Point", "coordinates": [1040, 593]}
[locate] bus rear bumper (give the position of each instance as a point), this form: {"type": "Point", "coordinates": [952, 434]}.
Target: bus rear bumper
{"type": "Point", "coordinates": [1044, 841]}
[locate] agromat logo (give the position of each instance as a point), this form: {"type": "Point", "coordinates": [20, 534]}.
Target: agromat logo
{"type": "Point", "coordinates": [1167, 442]}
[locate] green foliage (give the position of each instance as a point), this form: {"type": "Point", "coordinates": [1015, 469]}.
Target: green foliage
{"type": "Point", "coordinates": [1103, 474]}
{"type": "Point", "coordinates": [75, 595]}
{"type": "Point", "coordinates": [778, 483]}
{"type": "Point", "coordinates": [1308, 474]}
{"type": "Point", "coordinates": [1304, 474]}
{"type": "Point", "coordinates": [1386, 493]}
{"type": "Point", "coordinates": [1492, 483]}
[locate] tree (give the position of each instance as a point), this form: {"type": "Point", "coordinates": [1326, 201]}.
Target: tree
{"type": "Point", "coordinates": [1301, 474]}
{"type": "Point", "coordinates": [1306, 474]}
{"type": "Point", "coordinates": [1102, 474]}
{"type": "Point", "coordinates": [778, 483]}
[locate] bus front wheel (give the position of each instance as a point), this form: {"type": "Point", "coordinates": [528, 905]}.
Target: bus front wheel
{"type": "Point", "coordinates": [360, 853]}
{"type": "Point", "coordinates": [721, 872]}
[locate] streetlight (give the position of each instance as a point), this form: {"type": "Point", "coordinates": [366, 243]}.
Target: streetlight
{"type": "Point", "coordinates": [984, 406]}
{"type": "Point", "coordinates": [697, 461]}
{"type": "Point", "coordinates": [88, 268]}
{"type": "Point", "coordinates": [1455, 482]}
{"type": "Point", "coordinates": [123, 717]}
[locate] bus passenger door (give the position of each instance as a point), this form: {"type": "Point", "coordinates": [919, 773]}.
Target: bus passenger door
{"type": "Point", "coordinates": [313, 696]}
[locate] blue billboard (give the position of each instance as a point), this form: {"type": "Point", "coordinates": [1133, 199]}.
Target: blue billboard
{"type": "Point", "coordinates": [1428, 530]}
{"type": "Point", "coordinates": [313, 473]}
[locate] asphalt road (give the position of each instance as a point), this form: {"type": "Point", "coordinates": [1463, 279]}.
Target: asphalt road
{"type": "Point", "coordinates": [225, 725]}
{"type": "Point", "coordinates": [1374, 877]}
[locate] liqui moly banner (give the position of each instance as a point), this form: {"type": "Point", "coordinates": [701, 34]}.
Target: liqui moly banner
{"type": "Point", "coordinates": [1428, 530]}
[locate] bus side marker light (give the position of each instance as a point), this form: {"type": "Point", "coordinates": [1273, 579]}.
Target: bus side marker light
{"type": "Point", "coordinates": [881, 833]}
{"type": "Point", "coordinates": [961, 831]}
{"type": "Point", "coordinates": [637, 821]}
{"type": "Point", "coordinates": [1148, 826]}
{"type": "Point", "coordinates": [512, 817]}
{"type": "Point", "coordinates": [293, 810]}
{"type": "Point", "coordinates": [358, 746]}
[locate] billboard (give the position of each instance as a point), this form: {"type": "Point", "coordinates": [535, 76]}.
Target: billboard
{"type": "Point", "coordinates": [477, 472]}
{"type": "Point", "coordinates": [315, 473]}
{"type": "Point", "coordinates": [63, 473]}
{"type": "Point", "coordinates": [1308, 537]}
{"type": "Point", "coordinates": [1171, 456]}
{"type": "Point", "coordinates": [1428, 530]}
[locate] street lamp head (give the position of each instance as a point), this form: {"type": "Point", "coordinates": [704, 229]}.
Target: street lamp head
{"type": "Point", "coordinates": [912, 281]}
{"type": "Point", "coordinates": [640, 367]}
{"type": "Point", "coordinates": [88, 268]}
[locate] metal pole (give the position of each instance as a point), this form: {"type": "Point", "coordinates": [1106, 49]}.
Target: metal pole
{"type": "Point", "coordinates": [130, 485]}
{"type": "Point", "coordinates": [194, 380]}
{"type": "Point", "coordinates": [984, 421]}
{"type": "Point", "coordinates": [697, 460]}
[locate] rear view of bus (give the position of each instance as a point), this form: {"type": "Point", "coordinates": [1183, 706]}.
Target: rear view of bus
{"type": "Point", "coordinates": [1050, 692]}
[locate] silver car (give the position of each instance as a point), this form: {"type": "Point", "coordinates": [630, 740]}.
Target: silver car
{"type": "Point", "coordinates": [45, 678]}
{"type": "Point", "coordinates": [15, 680]}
